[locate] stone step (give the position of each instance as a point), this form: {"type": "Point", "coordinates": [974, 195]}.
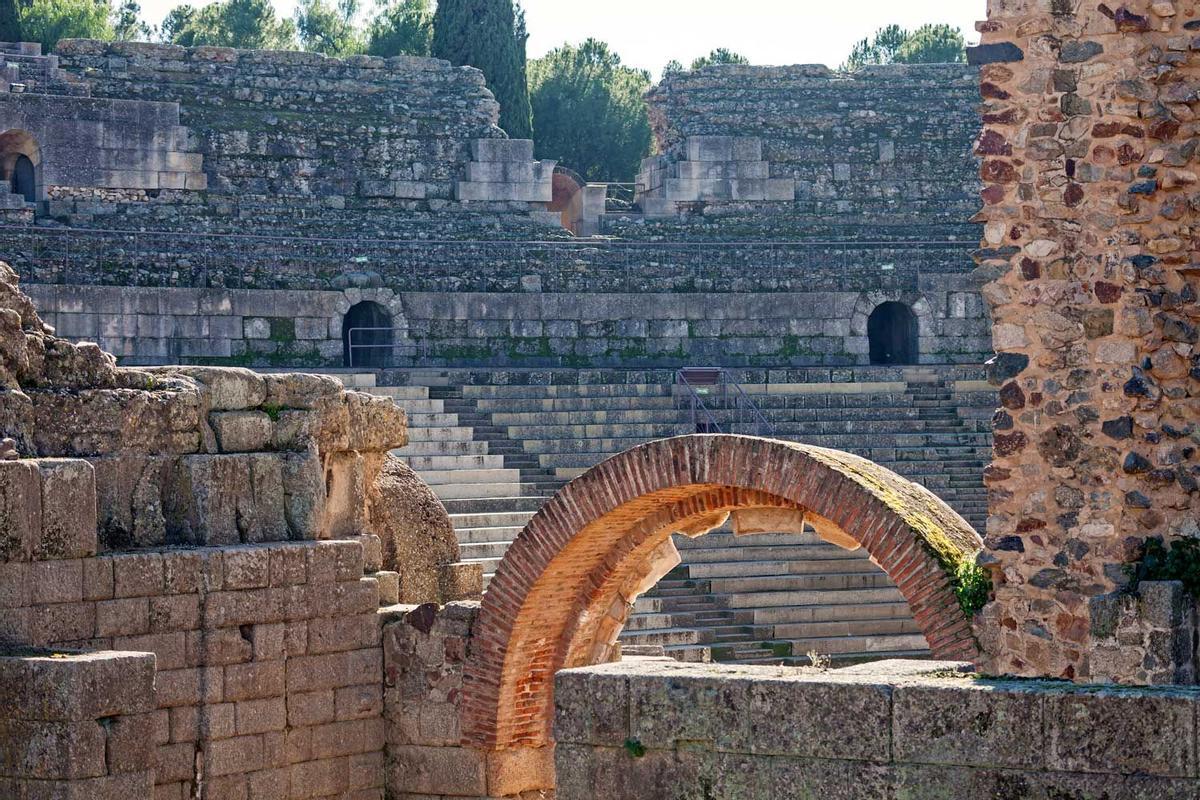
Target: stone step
{"type": "Point", "coordinates": [438, 419]}
{"type": "Point", "coordinates": [430, 463]}
{"type": "Point", "coordinates": [483, 550]}
{"type": "Point", "coordinates": [475, 491]}
{"type": "Point", "coordinates": [440, 434]}
{"type": "Point", "coordinates": [812, 581]}
{"type": "Point", "coordinates": [533, 405]}
{"type": "Point", "coordinates": [441, 477]}
{"type": "Point", "coordinates": [442, 448]}
{"type": "Point", "coordinates": [488, 535]}
{"type": "Point", "coordinates": [486, 505]}
{"type": "Point", "coordinates": [567, 390]}
{"type": "Point", "coordinates": [874, 627]}
{"type": "Point", "coordinates": [406, 393]}
{"type": "Point", "coordinates": [774, 607]}
{"type": "Point", "coordinates": [510, 519]}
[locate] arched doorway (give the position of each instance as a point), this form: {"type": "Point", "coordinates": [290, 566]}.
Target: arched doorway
{"type": "Point", "coordinates": [893, 334]}
{"type": "Point", "coordinates": [367, 336]}
{"type": "Point", "coordinates": [566, 586]}
{"type": "Point", "coordinates": [23, 180]}
{"type": "Point", "coordinates": [20, 164]}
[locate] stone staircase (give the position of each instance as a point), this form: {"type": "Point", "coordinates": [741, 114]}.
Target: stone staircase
{"type": "Point", "coordinates": [25, 70]}
{"type": "Point", "coordinates": [495, 451]}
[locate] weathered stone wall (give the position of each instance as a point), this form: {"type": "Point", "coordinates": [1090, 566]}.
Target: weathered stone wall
{"type": "Point", "coordinates": [891, 731]}
{"type": "Point", "coordinates": [879, 154]}
{"type": "Point", "coordinates": [287, 139]}
{"type": "Point", "coordinates": [531, 329]}
{"type": "Point", "coordinates": [1089, 164]}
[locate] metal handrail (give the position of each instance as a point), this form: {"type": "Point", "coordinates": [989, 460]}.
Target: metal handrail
{"type": "Point", "coordinates": [408, 347]}
{"type": "Point", "coordinates": [743, 406]}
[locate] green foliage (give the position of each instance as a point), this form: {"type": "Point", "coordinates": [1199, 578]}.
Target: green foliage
{"type": "Point", "coordinates": [1179, 561]}
{"type": "Point", "coordinates": [933, 44]}
{"type": "Point", "coordinates": [635, 748]}
{"type": "Point", "coordinates": [329, 29]}
{"type": "Point", "coordinates": [972, 586]}
{"type": "Point", "coordinates": [248, 24]}
{"type": "Point", "coordinates": [929, 44]}
{"type": "Point", "coordinates": [127, 25]}
{"type": "Point", "coordinates": [489, 35]}
{"type": "Point", "coordinates": [672, 67]}
{"type": "Point", "coordinates": [404, 27]}
{"type": "Point", "coordinates": [588, 111]}
{"type": "Point", "coordinates": [719, 56]}
{"type": "Point", "coordinates": [272, 410]}
{"type": "Point", "coordinates": [10, 21]}
{"type": "Point", "coordinates": [47, 21]}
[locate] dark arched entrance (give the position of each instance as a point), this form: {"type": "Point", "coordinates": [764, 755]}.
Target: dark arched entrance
{"type": "Point", "coordinates": [892, 333]}
{"type": "Point", "coordinates": [24, 181]}
{"type": "Point", "coordinates": [367, 336]}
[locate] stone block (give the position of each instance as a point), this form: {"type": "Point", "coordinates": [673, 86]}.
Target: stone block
{"type": "Point", "coordinates": [502, 149]}
{"type": "Point", "coordinates": [970, 725]}
{"type": "Point", "coordinates": [56, 582]}
{"type": "Point", "coordinates": [227, 388]}
{"type": "Point", "coordinates": [458, 771]}
{"type": "Point", "coordinates": [710, 148]}
{"type": "Point", "coordinates": [1121, 732]}
{"type": "Point", "coordinates": [666, 707]}
{"type": "Point", "coordinates": [821, 719]}
{"type": "Point", "coordinates": [591, 708]}
{"type": "Point", "coordinates": [68, 489]}
{"type": "Point", "coordinates": [747, 148]}
{"type": "Point", "coordinates": [20, 510]}
{"type": "Point", "coordinates": [227, 499]}
{"type": "Point", "coordinates": [42, 749]}
{"type": "Point", "coordinates": [82, 686]}
{"type": "Point", "coordinates": [242, 431]}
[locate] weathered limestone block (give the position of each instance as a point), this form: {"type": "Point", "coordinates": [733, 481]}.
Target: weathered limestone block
{"type": "Point", "coordinates": [242, 431]}
{"type": "Point", "coordinates": [20, 510]}
{"type": "Point", "coordinates": [225, 388]}
{"type": "Point", "coordinates": [226, 499]}
{"type": "Point", "coordinates": [376, 424]}
{"type": "Point", "coordinates": [69, 525]}
{"type": "Point", "coordinates": [303, 482]}
{"type": "Point", "coordinates": [129, 491]}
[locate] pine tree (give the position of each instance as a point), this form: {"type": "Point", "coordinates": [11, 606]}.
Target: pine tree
{"type": "Point", "coordinates": [10, 23]}
{"type": "Point", "coordinates": [489, 35]}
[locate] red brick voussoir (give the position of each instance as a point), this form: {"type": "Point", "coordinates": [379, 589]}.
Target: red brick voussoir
{"type": "Point", "coordinates": [563, 590]}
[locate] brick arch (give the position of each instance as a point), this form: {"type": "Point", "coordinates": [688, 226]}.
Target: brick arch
{"type": "Point", "coordinates": [563, 590]}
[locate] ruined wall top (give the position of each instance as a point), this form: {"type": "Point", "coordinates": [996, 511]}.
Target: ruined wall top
{"type": "Point", "coordinates": [1090, 174]}
{"type": "Point", "coordinates": [882, 153]}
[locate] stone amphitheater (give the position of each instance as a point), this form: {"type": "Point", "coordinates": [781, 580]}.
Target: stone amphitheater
{"type": "Point", "coordinates": [803, 271]}
{"type": "Point", "coordinates": [397, 438]}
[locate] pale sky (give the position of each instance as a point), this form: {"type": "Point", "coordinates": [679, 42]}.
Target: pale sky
{"type": "Point", "coordinates": [649, 33]}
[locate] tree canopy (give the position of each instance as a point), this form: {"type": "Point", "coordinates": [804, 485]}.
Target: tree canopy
{"type": "Point", "coordinates": [719, 56]}
{"type": "Point", "coordinates": [327, 28]}
{"type": "Point", "coordinates": [404, 27]}
{"type": "Point", "coordinates": [588, 111]}
{"type": "Point", "coordinates": [47, 21]}
{"type": "Point", "coordinates": [489, 35]}
{"type": "Point", "coordinates": [929, 44]}
{"type": "Point", "coordinates": [10, 21]}
{"type": "Point", "coordinates": [249, 24]}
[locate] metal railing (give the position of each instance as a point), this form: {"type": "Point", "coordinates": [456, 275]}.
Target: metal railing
{"type": "Point", "coordinates": [61, 255]}
{"type": "Point", "coordinates": [378, 354]}
{"type": "Point", "coordinates": [719, 404]}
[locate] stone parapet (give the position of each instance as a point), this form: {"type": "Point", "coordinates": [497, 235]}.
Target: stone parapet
{"type": "Point", "coordinates": [891, 730]}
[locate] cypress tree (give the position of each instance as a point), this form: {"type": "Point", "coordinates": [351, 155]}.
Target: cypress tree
{"type": "Point", "coordinates": [10, 23]}
{"type": "Point", "coordinates": [489, 35]}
